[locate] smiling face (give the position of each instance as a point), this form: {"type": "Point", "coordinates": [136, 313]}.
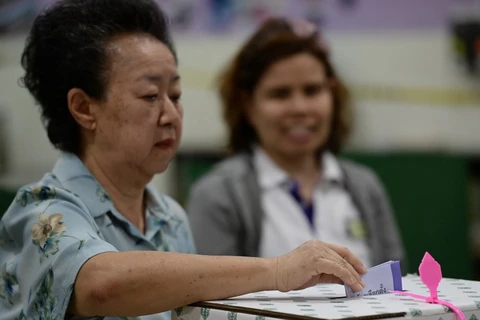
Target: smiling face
{"type": "Point", "coordinates": [291, 107]}
{"type": "Point", "coordinates": [139, 123]}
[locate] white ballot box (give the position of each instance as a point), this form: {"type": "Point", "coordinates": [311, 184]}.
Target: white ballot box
{"type": "Point", "coordinates": [329, 302]}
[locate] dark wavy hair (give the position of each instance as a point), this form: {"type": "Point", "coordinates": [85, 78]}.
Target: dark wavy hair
{"type": "Point", "coordinates": [66, 49]}
{"type": "Point", "coordinates": [276, 39]}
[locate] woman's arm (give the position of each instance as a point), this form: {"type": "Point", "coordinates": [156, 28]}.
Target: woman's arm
{"type": "Point", "coordinates": [137, 283]}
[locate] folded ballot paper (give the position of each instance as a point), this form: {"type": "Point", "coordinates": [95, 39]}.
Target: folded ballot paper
{"type": "Point", "coordinates": [379, 279]}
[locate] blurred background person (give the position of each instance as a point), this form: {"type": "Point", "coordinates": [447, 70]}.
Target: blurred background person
{"type": "Point", "coordinates": [288, 116]}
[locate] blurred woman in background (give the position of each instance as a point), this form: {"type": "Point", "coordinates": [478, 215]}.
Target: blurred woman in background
{"type": "Point", "coordinates": [288, 116]}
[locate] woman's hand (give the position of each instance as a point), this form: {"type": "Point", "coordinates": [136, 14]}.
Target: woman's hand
{"type": "Point", "coordinates": [318, 262]}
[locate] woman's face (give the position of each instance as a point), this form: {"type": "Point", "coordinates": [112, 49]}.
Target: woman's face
{"type": "Point", "coordinates": [139, 124]}
{"type": "Point", "coordinates": [291, 107]}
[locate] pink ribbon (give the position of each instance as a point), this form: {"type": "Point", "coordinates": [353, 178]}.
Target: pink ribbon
{"type": "Point", "coordinates": [431, 275]}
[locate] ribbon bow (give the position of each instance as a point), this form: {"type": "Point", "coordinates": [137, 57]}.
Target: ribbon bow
{"type": "Point", "coordinates": [431, 275]}
{"type": "Point", "coordinates": [304, 28]}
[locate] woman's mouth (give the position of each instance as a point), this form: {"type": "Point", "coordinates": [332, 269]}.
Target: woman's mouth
{"type": "Point", "coordinates": [299, 133]}
{"type": "Point", "coordinates": [165, 144]}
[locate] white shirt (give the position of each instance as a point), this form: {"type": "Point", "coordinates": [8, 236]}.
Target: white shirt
{"type": "Point", "coordinates": [285, 225]}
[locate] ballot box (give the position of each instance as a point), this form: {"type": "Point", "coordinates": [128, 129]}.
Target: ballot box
{"type": "Point", "coordinates": [329, 302]}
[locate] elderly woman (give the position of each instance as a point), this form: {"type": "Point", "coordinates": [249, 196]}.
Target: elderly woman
{"type": "Point", "coordinates": [93, 237]}
{"type": "Point", "coordinates": [288, 117]}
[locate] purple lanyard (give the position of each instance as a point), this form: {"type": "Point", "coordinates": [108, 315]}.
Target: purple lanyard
{"type": "Point", "coordinates": [306, 207]}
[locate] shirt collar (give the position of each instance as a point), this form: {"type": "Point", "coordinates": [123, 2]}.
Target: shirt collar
{"type": "Point", "coordinates": [76, 178]}
{"type": "Point", "coordinates": [331, 168]}
{"type": "Point", "coordinates": [270, 175]}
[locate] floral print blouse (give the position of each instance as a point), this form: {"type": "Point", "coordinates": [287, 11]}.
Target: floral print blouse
{"type": "Point", "coordinates": [54, 226]}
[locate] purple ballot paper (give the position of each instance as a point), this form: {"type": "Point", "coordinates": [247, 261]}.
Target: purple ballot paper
{"type": "Point", "coordinates": [379, 279]}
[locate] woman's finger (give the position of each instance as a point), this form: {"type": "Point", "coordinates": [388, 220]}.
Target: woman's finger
{"type": "Point", "coordinates": [334, 256]}
{"type": "Point", "coordinates": [346, 254]}
{"type": "Point", "coordinates": [339, 270]}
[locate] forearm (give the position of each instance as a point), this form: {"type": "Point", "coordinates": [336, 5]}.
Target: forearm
{"type": "Point", "coordinates": [135, 283]}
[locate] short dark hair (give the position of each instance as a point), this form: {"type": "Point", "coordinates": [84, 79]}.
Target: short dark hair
{"type": "Point", "coordinates": [275, 40]}
{"type": "Point", "coordinates": [66, 49]}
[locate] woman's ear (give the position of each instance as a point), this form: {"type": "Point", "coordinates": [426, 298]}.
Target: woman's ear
{"type": "Point", "coordinates": [80, 105]}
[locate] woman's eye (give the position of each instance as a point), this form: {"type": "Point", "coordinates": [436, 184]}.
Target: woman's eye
{"type": "Point", "coordinates": [175, 99]}
{"type": "Point", "coordinates": [316, 89]}
{"type": "Point", "coordinates": [150, 97]}
{"type": "Point", "coordinates": [279, 93]}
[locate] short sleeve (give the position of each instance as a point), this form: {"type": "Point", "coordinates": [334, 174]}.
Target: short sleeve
{"type": "Point", "coordinates": [48, 235]}
{"type": "Point", "coordinates": [181, 236]}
